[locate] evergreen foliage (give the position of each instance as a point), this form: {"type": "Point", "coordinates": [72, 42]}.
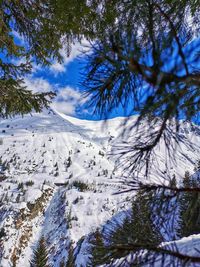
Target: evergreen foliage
{"type": "Point", "coordinates": [133, 52]}
{"type": "Point", "coordinates": [20, 186]}
{"type": "Point", "coordinates": [71, 257]}
{"type": "Point", "coordinates": [126, 34]}
{"type": "Point", "coordinates": [144, 60]}
{"type": "Point", "coordinates": [40, 256]}
{"type": "Point", "coordinates": [136, 230]}
{"type": "Point", "coordinates": [190, 206]}
{"type": "Point", "coordinates": [98, 247]}
{"type": "Point", "coordinates": [34, 31]}
{"type": "Point", "coordinates": [2, 232]}
{"type": "Point", "coordinates": [173, 182]}
{"type": "Point", "coordinates": [62, 264]}
{"type": "Point", "coordinates": [18, 198]}
{"type": "Point", "coordinates": [29, 183]}
{"type": "Point", "coordinates": [31, 22]}
{"type": "Point", "coordinates": [81, 186]}
{"type": "Point", "coordinates": [142, 53]}
{"type": "Point", "coordinates": [197, 166]}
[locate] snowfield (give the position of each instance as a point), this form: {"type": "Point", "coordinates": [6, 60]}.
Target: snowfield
{"type": "Point", "coordinates": [58, 179]}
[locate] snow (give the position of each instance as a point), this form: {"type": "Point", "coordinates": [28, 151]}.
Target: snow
{"type": "Point", "coordinates": [37, 148]}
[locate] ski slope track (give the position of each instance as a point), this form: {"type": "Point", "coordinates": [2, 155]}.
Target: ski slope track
{"type": "Point", "coordinates": [57, 180]}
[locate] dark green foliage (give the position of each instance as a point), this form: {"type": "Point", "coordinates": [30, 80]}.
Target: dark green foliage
{"type": "Point", "coordinates": [135, 231]}
{"type": "Point", "coordinates": [6, 199]}
{"type": "Point", "coordinates": [142, 219]}
{"type": "Point", "coordinates": [197, 166]}
{"type": "Point", "coordinates": [18, 198]}
{"type": "Point", "coordinates": [41, 41]}
{"type": "Point", "coordinates": [40, 256]}
{"type": "Point", "coordinates": [173, 182]}
{"type": "Point", "coordinates": [101, 153]}
{"type": "Point", "coordinates": [97, 248]}
{"type": "Point", "coordinates": [4, 166]}
{"type": "Point", "coordinates": [69, 219]}
{"type": "Point", "coordinates": [29, 183]}
{"type": "Point", "coordinates": [20, 186]}
{"type": "Point", "coordinates": [81, 186]}
{"type": "Point", "coordinates": [68, 162]}
{"type": "Point", "coordinates": [105, 172]}
{"type": "Point", "coordinates": [190, 207]}
{"type": "Point", "coordinates": [131, 62]}
{"type": "Point", "coordinates": [120, 64]}
{"type": "Point", "coordinates": [62, 264]}
{"type": "Point", "coordinates": [56, 166]}
{"type": "Point", "coordinates": [139, 228]}
{"type": "Point", "coordinates": [71, 257]}
{"type": "Point", "coordinates": [35, 23]}
{"type": "Point", "coordinates": [2, 232]}
{"type": "Point", "coordinates": [56, 174]}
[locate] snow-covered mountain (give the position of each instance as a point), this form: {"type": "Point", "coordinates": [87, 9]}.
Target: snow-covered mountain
{"type": "Point", "coordinates": [57, 180]}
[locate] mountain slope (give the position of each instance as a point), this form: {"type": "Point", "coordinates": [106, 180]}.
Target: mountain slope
{"type": "Point", "coordinates": [58, 179]}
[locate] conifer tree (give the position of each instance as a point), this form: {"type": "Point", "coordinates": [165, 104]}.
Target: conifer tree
{"type": "Point", "coordinates": [62, 264]}
{"type": "Point", "coordinates": [40, 255]}
{"type": "Point", "coordinates": [138, 228]}
{"type": "Point", "coordinates": [189, 205]}
{"type": "Point", "coordinates": [173, 181]}
{"type": "Point", "coordinates": [197, 166]}
{"type": "Point", "coordinates": [14, 97]}
{"type": "Point", "coordinates": [128, 63]}
{"type": "Point", "coordinates": [97, 248]}
{"type": "Point", "coordinates": [71, 257]}
{"type": "Point", "coordinates": [142, 219]}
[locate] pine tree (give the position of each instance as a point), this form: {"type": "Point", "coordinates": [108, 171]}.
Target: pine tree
{"type": "Point", "coordinates": [98, 247]}
{"type": "Point", "coordinates": [69, 162]}
{"type": "Point", "coordinates": [173, 181]}
{"type": "Point", "coordinates": [2, 232]}
{"type": "Point", "coordinates": [14, 97]}
{"type": "Point", "coordinates": [197, 166]}
{"type": "Point", "coordinates": [71, 257]}
{"type": "Point", "coordinates": [189, 207]}
{"type": "Point", "coordinates": [62, 264]}
{"type": "Point", "coordinates": [38, 37]}
{"type": "Point", "coordinates": [142, 219]}
{"type": "Point", "coordinates": [125, 54]}
{"type": "Point", "coordinates": [40, 256]}
{"type": "Point", "coordinates": [138, 228]}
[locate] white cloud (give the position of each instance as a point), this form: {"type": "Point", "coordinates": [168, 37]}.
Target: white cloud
{"type": "Point", "coordinates": [67, 100]}
{"type": "Point", "coordinates": [38, 85]}
{"type": "Point", "coordinates": [57, 68]}
{"type": "Point", "coordinates": [68, 93]}
{"type": "Point", "coordinates": [77, 49]}
{"type": "Point", "coordinates": [64, 107]}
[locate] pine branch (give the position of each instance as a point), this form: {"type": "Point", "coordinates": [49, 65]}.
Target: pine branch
{"type": "Point", "coordinates": [158, 250]}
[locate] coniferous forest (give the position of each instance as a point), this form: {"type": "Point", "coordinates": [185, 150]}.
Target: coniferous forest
{"type": "Point", "coordinates": [103, 169]}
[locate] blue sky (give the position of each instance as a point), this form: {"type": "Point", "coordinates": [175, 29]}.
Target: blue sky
{"type": "Point", "coordinates": [65, 79]}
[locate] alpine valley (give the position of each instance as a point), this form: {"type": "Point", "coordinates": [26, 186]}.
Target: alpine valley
{"type": "Point", "coordinates": [58, 179]}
